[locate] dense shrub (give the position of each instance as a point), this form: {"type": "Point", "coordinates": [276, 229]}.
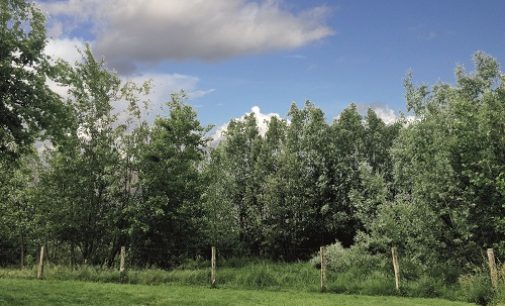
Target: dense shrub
{"type": "Point", "coordinates": [355, 259]}
{"type": "Point", "coordinates": [476, 288]}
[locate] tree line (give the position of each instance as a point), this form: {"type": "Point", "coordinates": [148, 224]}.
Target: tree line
{"type": "Point", "coordinates": [433, 186]}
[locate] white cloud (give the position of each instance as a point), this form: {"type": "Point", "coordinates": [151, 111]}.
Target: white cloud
{"type": "Point", "coordinates": [387, 114]}
{"type": "Point", "coordinates": [62, 91]}
{"type": "Point", "coordinates": [65, 48]}
{"type": "Point", "coordinates": [262, 121]}
{"type": "Point", "coordinates": [129, 32]}
{"type": "Point", "coordinates": [384, 112]}
{"type": "Point", "coordinates": [390, 116]}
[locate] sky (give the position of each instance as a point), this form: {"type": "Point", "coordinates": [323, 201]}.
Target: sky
{"type": "Point", "coordinates": [238, 56]}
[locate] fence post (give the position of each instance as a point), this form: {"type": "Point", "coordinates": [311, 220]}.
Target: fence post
{"type": "Point", "coordinates": [40, 270]}
{"type": "Point", "coordinates": [213, 268]}
{"type": "Point", "coordinates": [396, 266]}
{"type": "Point", "coordinates": [322, 252]}
{"type": "Point", "coordinates": [122, 260]}
{"type": "Point", "coordinates": [492, 268]}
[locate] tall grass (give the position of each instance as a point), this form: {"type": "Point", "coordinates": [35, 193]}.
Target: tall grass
{"type": "Point", "coordinates": [258, 274]}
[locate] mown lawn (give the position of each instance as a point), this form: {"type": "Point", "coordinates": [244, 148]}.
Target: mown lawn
{"type": "Point", "coordinates": [33, 292]}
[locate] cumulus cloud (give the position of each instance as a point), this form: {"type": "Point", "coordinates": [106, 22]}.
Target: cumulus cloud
{"type": "Point", "coordinates": [129, 32]}
{"type": "Point", "coordinates": [262, 121]}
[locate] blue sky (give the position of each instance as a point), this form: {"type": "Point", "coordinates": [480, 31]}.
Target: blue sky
{"type": "Point", "coordinates": [331, 52]}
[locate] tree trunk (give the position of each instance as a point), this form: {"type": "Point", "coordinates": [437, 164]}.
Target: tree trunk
{"type": "Point", "coordinates": [72, 254]}
{"type": "Point", "coordinates": [22, 252]}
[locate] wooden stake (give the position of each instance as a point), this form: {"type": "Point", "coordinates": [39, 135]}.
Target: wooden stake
{"type": "Point", "coordinates": [492, 268]}
{"type": "Point", "coordinates": [213, 268]}
{"type": "Point", "coordinates": [122, 260]}
{"type": "Point", "coordinates": [396, 267]}
{"type": "Point", "coordinates": [322, 252]}
{"type": "Point", "coordinates": [40, 271]}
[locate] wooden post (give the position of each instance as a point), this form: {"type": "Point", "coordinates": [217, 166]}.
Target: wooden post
{"type": "Point", "coordinates": [492, 268]}
{"type": "Point", "coordinates": [396, 267]}
{"type": "Point", "coordinates": [122, 260]}
{"type": "Point", "coordinates": [40, 271]}
{"type": "Point", "coordinates": [213, 268]}
{"type": "Point", "coordinates": [322, 252]}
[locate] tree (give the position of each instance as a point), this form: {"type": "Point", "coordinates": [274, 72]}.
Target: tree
{"type": "Point", "coordinates": [27, 105]}
{"type": "Point", "coordinates": [171, 211]}
{"type": "Point", "coordinates": [220, 213]}
{"type": "Point", "coordinates": [295, 194]}
{"type": "Point", "coordinates": [85, 188]}
{"type": "Point", "coordinates": [236, 158]}
{"type": "Point", "coordinates": [451, 160]}
{"type": "Point", "coordinates": [19, 218]}
{"type": "Point", "coordinates": [346, 152]}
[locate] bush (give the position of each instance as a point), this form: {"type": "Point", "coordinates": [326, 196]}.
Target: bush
{"type": "Point", "coordinates": [355, 259]}
{"type": "Point", "coordinates": [476, 288]}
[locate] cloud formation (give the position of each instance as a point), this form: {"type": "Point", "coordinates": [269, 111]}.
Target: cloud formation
{"type": "Point", "coordinates": [131, 32]}
{"type": "Point", "coordinates": [262, 121]}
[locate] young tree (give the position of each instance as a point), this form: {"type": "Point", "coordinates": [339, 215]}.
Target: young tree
{"type": "Point", "coordinates": [82, 190]}
{"type": "Point", "coordinates": [295, 194]}
{"type": "Point", "coordinates": [19, 218]}
{"type": "Point", "coordinates": [346, 152]}
{"type": "Point", "coordinates": [169, 219]}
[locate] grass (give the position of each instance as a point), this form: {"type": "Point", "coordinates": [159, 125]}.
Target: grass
{"type": "Point", "coordinates": [275, 276]}
{"type": "Point", "coordinates": [55, 292]}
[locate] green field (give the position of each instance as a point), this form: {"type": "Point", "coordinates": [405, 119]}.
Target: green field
{"type": "Point", "coordinates": [33, 292]}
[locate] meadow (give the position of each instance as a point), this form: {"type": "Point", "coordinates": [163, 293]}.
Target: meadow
{"type": "Point", "coordinates": [55, 292]}
{"type": "Point", "coordinates": [239, 281]}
